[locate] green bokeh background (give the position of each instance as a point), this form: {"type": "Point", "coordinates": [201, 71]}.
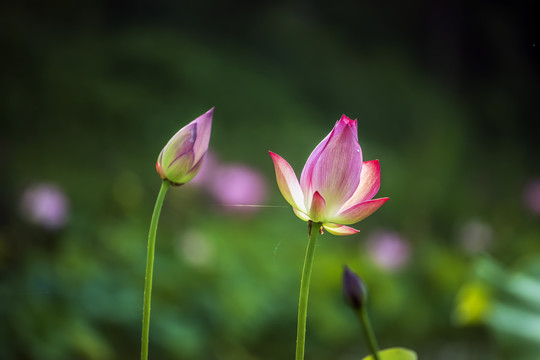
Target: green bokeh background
{"type": "Point", "coordinates": [446, 98]}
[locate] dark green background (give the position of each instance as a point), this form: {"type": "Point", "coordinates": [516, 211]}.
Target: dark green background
{"type": "Point", "coordinates": [446, 96]}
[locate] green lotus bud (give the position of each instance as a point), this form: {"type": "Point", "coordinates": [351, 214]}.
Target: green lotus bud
{"type": "Point", "coordinates": [181, 159]}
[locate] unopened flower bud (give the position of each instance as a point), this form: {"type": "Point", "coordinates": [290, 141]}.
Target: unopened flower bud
{"type": "Point", "coordinates": [354, 290]}
{"type": "Point", "coordinates": [181, 159]}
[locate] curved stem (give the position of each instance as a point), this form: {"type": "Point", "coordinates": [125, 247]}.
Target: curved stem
{"type": "Point", "coordinates": [304, 290]}
{"type": "Point", "coordinates": [368, 330]}
{"type": "Point", "coordinates": [150, 269]}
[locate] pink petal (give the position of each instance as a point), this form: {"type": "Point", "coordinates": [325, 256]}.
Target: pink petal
{"type": "Point", "coordinates": [370, 181]}
{"type": "Point", "coordinates": [317, 211]}
{"type": "Point", "coordinates": [180, 144]}
{"type": "Point", "coordinates": [288, 183]}
{"type": "Point", "coordinates": [307, 171]}
{"type": "Point", "coordinates": [336, 173]}
{"type": "Point", "coordinates": [301, 215]}
{"type": "Point", "coordinates": [176, 171]}
{"type": "Point", "coordinates": [359, 211]}
{"type": "Point", "coordinates": [193, 171]}
{"type": "Point", "coordinates": [204, 126]}
{"type": "Point", "coordinates": [353, 123]}
{"type": "Point", "coordinates": [337, 229]}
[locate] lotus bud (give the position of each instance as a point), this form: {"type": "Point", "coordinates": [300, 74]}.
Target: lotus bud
{"type": "Point", "coordinates": [181, 159]}
{"type": "Point", "coordinates": [354, 290]}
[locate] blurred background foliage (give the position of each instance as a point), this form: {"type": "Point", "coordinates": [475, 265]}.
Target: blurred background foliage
{"type": "Point", "coordinates": [446, 96]}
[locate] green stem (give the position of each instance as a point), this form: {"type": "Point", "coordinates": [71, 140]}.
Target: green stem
{"type": "Point", "coordinates": [304, 290]}
{"type": "Point", "coordinates": [368, 330]}
{"type": "Point", "coordinates": [150, 269]}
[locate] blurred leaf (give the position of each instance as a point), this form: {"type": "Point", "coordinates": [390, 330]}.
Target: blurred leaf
{"type": "Point", "coordinates": [473, 303]}
{"type": "Point", "coordinates": [395, 354]}
{"type": "Point", "coordinates": [506, 300]}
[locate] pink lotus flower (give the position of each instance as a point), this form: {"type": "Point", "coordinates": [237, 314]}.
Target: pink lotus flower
{"type": "Point", "coordinates": [181, 159]}
{"type": "Point", "coordinates": [336, 188]}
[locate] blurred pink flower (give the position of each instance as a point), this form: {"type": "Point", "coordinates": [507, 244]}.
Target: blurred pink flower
{"type": "Point", "coordinates": [234, 185]}
{"type": "Point", "coordinates": [388, 249]}
{"type": "Point", "coordinates": [336, 187]}
{"type": "Point", "coordinates": [531, 196]}
{"type": "Point", "coordinates": [45, 205]}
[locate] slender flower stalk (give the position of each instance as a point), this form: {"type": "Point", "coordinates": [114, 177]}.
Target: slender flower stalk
{"type": "Point", "coordinates": [368, 331]}
{"type": "Point", "coordinates": [150, 268]}
{"type": "Point", "coordinates": [313, 230]}
{"type": "Point", "coordinates": [356, 296]}
{"type": "Point", "coordinates": [336, 189]}
{"type": "Point", "coordinates": [179, 161]}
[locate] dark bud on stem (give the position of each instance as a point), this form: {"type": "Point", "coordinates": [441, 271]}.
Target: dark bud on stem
{"type": "Point", "coordinates": [354, 290]}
